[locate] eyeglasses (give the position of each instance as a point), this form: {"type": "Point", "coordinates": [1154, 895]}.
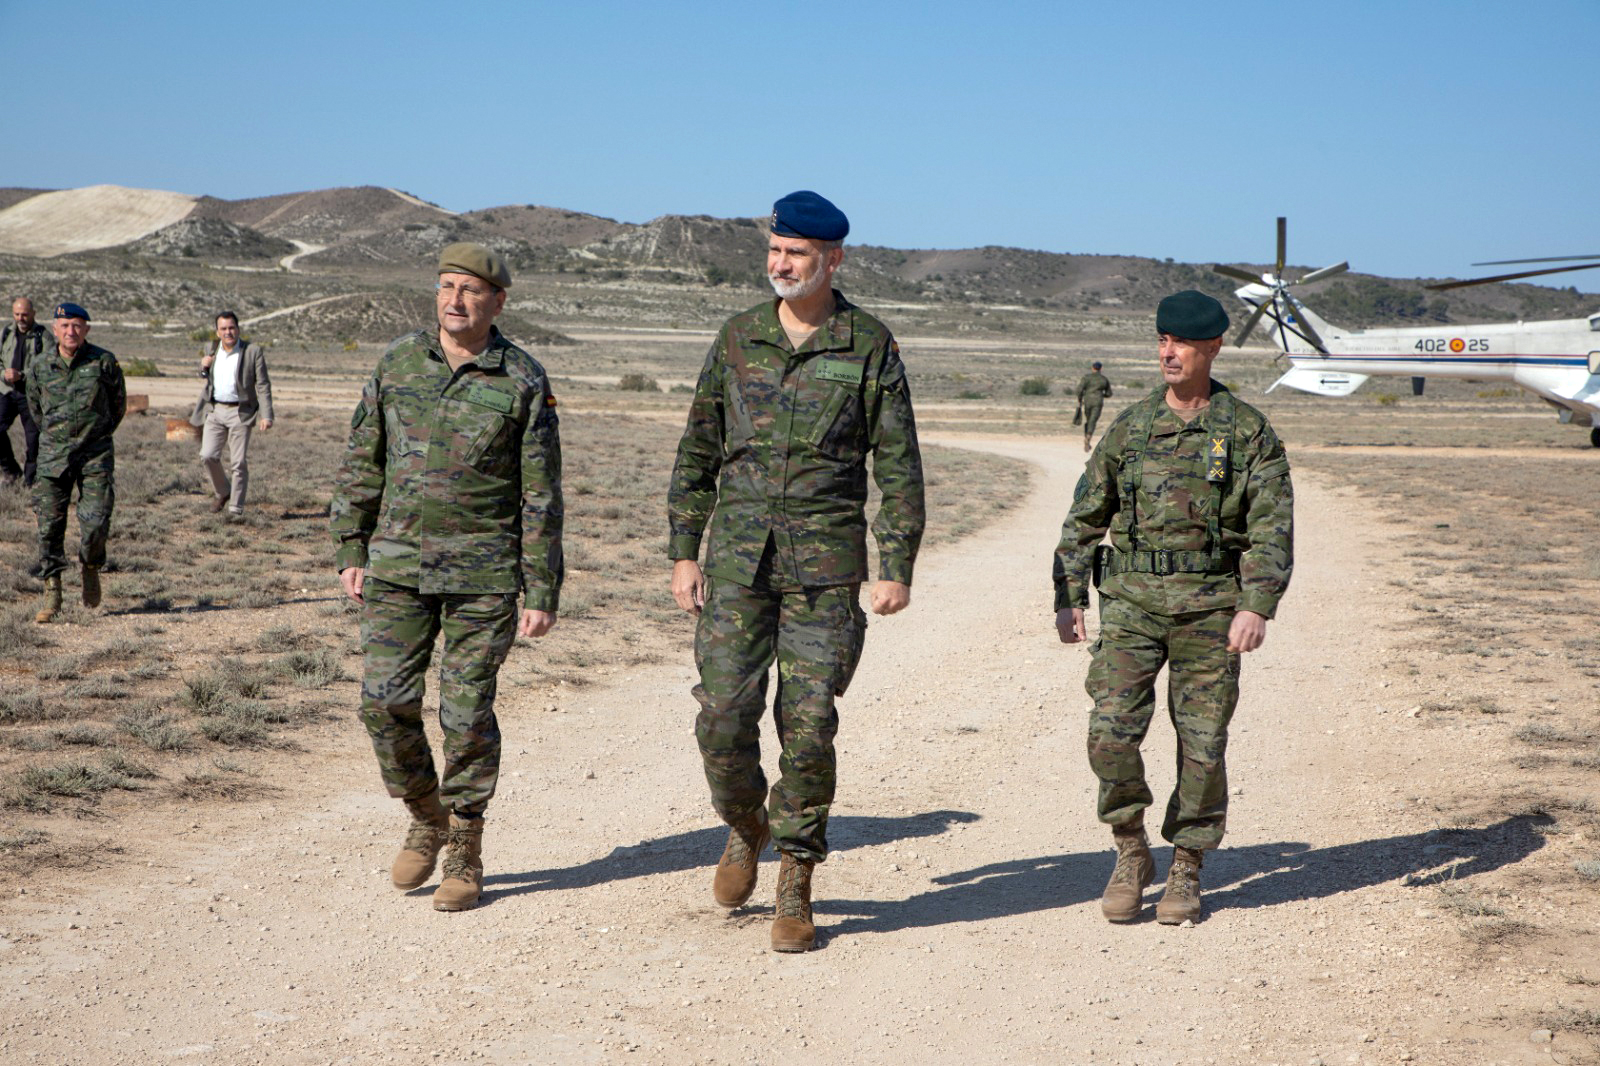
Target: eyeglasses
{"type": "Point", "coordinates": [470, 292]}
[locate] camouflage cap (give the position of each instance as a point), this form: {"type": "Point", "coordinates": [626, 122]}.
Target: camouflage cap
{"type": "Point", "coordinates": [464, 257]}
{"type": "Point", "coordinates": [1194, 316]}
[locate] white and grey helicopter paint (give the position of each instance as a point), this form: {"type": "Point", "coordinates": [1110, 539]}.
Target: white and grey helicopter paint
{"type": "Point", "coordinates": [1558, 361]}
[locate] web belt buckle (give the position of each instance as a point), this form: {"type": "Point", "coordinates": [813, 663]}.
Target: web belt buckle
{"type": "Point", "coordinates": [1163, 564]}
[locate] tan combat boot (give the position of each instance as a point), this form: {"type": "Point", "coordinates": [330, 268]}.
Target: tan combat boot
{"type": "Point", "coordinates": [1181, 901]}
{"type": "Point", "coordinates": [736, 872]}
{"type": "Point", "coordinates": [1134, 871]}
{"type": "Point", "coordinates": [52, 600]}
{"type": "Point", "coordinates": [462, 880]}
{"type": "Point", "coordinates": [792, 928]}
{"type": "Point", "coordinates": [430, 822]}
{"type": "Point", "coordinates": [91, 585]}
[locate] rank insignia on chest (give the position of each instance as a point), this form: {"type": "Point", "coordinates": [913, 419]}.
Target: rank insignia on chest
{"type": "Point", "coordinates": [1217, 459]}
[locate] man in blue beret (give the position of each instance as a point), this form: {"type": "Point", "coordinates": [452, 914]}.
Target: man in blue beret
{"type": "Point", "coordinates": [77, 396]}
{"type": "Point", "coordinates": [1193, 486]}
{"type": "Point", "coordinates": [795, 395]}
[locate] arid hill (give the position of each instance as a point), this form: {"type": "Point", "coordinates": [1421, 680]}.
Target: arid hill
{"type": "Point", "coordinates": [326, 216]}
{"type": "Point", "coordinates": [174, 256]}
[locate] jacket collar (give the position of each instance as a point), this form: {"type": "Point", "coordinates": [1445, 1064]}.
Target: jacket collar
{"type": "Point", "coordinates": [836, 334]}
{"type": "Point", "coordinates": [491, 358]}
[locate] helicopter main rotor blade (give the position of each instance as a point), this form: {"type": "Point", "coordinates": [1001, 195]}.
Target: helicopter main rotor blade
{"type": "Point", "coordinates": [1508, 277]}
{"type": "Point", "coordinates": [1546, 259]}
{"type": "Point", "coordinates": [1304, 327]}
{"type": "Point", "coordinates": [1250, 323]}
{"type": "Point", "coordinates": [1325, 272]}
{"type": "Point", "coordinates": [1235, 272]}
{"type": "Point", "coordinates": [1283, 240]}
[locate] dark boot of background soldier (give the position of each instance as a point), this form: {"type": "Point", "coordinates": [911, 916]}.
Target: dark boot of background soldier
{"type": "Point", "coordinates": [462, 881]}
{"type": "Point", "coordinates": [52, 600]}
{"type": "Point", "coordinates": [1086, 442]}
{"type": "Point", "coordinates": [735, 879]}
{"type": "Point", "coordinates": [1135, 870]}
{"type": "Point", "coordinates": [792, 927]}
{"type": "Point", "coordinates": [1181, 901]}
{"type": "Point", "coordinates": [91, 585]}
{"type": "Point", "coordinates": [430, 824]}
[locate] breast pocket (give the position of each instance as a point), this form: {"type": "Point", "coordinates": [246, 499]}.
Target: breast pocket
{"type": "Point", "coordinates": [402, 442]}
{"type": "Point", "coordinates": [485, 446]}
{"type": "Point", "coordinates": [840, 424]}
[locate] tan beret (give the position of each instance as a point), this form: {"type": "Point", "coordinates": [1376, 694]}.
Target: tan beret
{"type": "Point", "coordinates": [464, 257]}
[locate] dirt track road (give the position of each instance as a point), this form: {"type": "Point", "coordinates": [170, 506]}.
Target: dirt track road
{"type": "Point", "coordinates": [959, 915]}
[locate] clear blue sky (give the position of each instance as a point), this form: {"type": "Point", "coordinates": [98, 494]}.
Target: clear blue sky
{"type": "Point", "coordinates": [1410, 137]}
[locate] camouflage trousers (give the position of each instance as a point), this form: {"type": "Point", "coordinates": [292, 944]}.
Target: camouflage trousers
{"type": "Point", "coordinates": [398, 627]}
{"type": "Point", "coordinates": [816, 636]}
{"type": "Point", "coordinates": [1091, 417]}
{"type": "Point", "coordinates": [93, 478]}
{"type": "Point", "coordinates": [1202, 691]}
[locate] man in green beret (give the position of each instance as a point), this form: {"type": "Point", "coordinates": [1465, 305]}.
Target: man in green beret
{"type": "Point", "coordinates": [77, 395]}
{"type": "Point", "coordinates": [796, 394]}
{"type": "Point", "coordinates": [447, 518]}
{"type": "Point", "coordinates": [1193, 486]}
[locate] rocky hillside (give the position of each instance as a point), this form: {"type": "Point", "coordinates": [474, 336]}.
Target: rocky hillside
{"type": "Point", "coordinates": [211, 238]}
{"type": "Point", "coordinates": [373, 245]}
{"type": "Point", "coordinates": [327, 216]}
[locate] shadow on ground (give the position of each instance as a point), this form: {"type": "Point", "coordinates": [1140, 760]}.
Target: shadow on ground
{"type": "Point", "coordinates": [1258, 875]}
{"type": "Point", "coordinates": [702, 848]}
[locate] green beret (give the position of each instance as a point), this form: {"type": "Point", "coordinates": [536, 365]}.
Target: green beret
{"type": "Point", "coordinates": [1194, 316]}
{"type": "Point", "coordinates": [464, 257]}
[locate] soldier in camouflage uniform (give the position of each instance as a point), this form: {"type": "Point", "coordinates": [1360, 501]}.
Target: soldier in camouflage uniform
{"type": "Point", "coordinates": [1193, 486]}
{"type": "Point", "coordinates": [794, 396]}
{"type": "Point", "coordinates": [448, 508]}
{"type": "Point", "coordinates": [1092, 393]}
{"type": "Point", "coordinates": [77, 396]}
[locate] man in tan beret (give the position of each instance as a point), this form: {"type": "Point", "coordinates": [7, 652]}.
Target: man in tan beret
{"type": "Point", "coordinates": [447, 517]}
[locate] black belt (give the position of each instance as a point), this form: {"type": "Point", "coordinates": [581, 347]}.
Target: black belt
{"type": "Point", "coordinates": [226, 403]}
{"type": "Point", "coordinates": [1165, 562]}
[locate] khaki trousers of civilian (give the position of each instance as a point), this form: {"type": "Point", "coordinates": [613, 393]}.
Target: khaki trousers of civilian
{"type": "Point", "coordinates": [222, 424]}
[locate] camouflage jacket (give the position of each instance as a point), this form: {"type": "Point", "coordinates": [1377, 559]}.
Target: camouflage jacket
{"type": "Point", "coordinates": [78, 405]}
{"type": "Point", "coordinates": [34, 341]}
{"type": "Point", "coordinates": [777, 446]}
{"type": "Point", "coordinates": [1173, 504]}
{"type": "Point", "coordinates": [1094, 387]}
{"type": "Point", "coordinates": [451, 482]}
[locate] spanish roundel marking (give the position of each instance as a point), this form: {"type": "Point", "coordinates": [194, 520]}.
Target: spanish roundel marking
{"type": "Point", "coordinates": [1457, 345]}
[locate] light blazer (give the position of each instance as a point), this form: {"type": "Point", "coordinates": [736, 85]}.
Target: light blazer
{"type": "Point", "coordinates": [255, 389]}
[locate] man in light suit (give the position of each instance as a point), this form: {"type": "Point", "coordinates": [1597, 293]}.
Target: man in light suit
{"type": "Point", "coordinates": [237, 390]}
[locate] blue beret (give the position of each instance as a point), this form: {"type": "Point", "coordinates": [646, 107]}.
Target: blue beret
{"type": "Point", "coordinates": [71, 310]}
{"type": "Point", "coordinates": [805, 214]}
{"type": "Point", "coordinates": [1194, 316]}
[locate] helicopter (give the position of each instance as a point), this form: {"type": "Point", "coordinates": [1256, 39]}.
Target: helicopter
{"type": "Point", "coordinates": [1558, 360]}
